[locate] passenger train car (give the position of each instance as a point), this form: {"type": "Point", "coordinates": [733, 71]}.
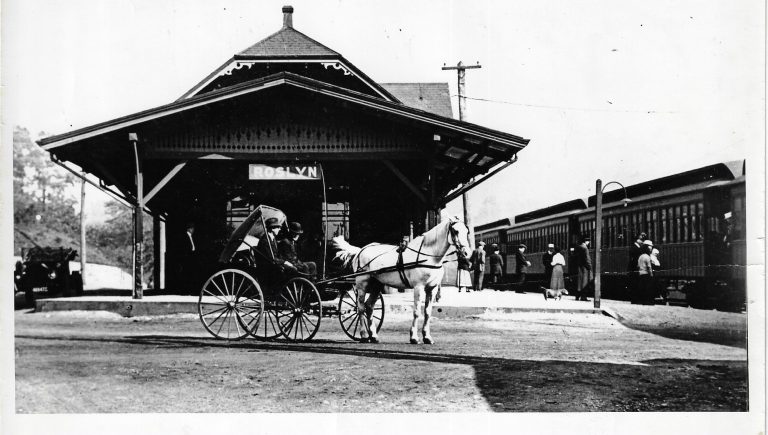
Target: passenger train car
{"type": "Point", "coordinates": [696, 219]}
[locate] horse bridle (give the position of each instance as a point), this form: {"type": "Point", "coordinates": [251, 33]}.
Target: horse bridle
{"type": "Point", "coordinates": [453, 235]}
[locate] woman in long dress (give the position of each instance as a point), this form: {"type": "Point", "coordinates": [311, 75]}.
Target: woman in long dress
{"type": "Point", "coordinates": [463, 278]}
{"type": "Point", "coordinates": [558, 262]}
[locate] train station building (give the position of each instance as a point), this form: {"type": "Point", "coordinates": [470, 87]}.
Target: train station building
{"type": "Point", "coordinates": [290, 123]}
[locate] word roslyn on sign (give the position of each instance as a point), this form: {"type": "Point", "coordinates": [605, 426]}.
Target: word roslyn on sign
{"type": "Point", "coordinates": [267, 172]}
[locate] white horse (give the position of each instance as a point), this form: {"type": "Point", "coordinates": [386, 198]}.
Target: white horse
{"type": "Point", "coordinates": [428, 250]}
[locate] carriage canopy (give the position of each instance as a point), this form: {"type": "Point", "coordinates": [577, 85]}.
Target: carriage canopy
{"type": "Point", "coordinates": [252, 227]}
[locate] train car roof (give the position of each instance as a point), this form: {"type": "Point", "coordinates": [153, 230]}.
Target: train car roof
{"type": "Point", "coordinates": [501, 223]}
{"type": "Point", "coordinates": [548, 218]}
{"type": "Point", "coordinates": [564, 207]}
{"type": "Point", "coordinates": [708, 174]}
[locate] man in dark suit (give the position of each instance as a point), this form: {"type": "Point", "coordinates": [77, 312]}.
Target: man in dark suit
{"type": "Point", "coordinates": [478, 266]}
{"type": "Point", "coordinates": [546, 259]}
{"type": "Point", "coordinates": [521, 267]}
{"type": "Point", "coordinates": [287, 250]}
{"type": "Point", "coordinates": [584, 265]}
{"type": "Point", "coordinates": [635, 251]}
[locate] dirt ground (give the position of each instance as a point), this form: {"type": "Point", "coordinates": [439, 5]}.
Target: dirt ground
{"type": "Point", "coordinates": [99, 362]}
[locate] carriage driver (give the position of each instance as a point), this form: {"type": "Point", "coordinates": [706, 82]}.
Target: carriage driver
{"type": "Point", "coordinates": [287, 250]}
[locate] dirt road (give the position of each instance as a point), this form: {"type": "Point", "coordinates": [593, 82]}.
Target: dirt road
{"type": "Point", "coordinates": [100, 362]}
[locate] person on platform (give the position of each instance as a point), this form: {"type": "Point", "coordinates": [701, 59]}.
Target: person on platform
{"type": "Point", "coordinates": [557, 282]}
{"type": "Point", "coordinates": [287, 250]}
{"type": "Point", "coordinates": [497, 264]}
{"type": "Point", "coordinates": [463, 278]}
{"type": "Point", "coordinates": [546, 260]}
{"type": "Point", "coordinates": [584, 265]}
{"type": "Point", "coordinates": [645, 273]}
{"type": "Point", "coordinates": [635, 250]}
{"type": "Point", "coordinates": [478, 266]}
{"type": "Point", "coordinates": [521, 267]}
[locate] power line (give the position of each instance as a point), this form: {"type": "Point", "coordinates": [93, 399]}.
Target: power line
{"type": "Point", "coordinates": [584, 109]}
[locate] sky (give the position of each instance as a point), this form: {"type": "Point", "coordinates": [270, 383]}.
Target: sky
{"type": "Point", "coordinates": [622, 91]}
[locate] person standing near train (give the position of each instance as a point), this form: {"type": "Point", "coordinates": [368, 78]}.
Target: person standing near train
{"type": "Point", "coordinates": [645, 273]}
{"type": "Point", "coordinates": [478, 266]}
{"type": "Point", "coordinates": [463, 278]}
{"type": "Point", "coordinates": [497, 264]}
{"type": "Point", "coordinates": [521, 267]}
{"type": "Point", "coordinates": [635, 250]}
{"type": "Point", "coordinates": [546, 259]}
{"type": "Point", "coordinates": [557, 282]}
{"type": "Point", "coordinates": [584, 265]}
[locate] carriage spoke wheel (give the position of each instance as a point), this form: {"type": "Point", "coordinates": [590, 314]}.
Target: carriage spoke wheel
{"type": "Point", "coordinates": [231, 304]}
{"type": "Point", "coordinates": [298, 310]}
{"type": "Point", "coordinates": [268, 328]}
{"type": "Point", "coordinates": [349, 315]}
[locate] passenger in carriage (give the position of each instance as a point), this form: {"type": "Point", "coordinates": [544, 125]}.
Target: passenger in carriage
{"type": "Point", "coordinates": [268, 242]}
{"type": "Point", "coordinates": [287, 251]}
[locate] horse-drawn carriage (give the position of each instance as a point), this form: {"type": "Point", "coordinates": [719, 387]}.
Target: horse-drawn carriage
{"type": "Point", "coordinates": [254, 293]}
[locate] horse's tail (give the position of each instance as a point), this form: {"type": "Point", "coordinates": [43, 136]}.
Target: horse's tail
{"type": "Point", "coordinates": [346, 252]}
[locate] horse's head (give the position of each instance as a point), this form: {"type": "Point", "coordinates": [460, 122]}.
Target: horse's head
{"type": "Point", "coordinates": [459, 236]}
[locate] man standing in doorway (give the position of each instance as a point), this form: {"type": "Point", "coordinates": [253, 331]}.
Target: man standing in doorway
{"type": "Point", "coordinates": [478, 266]}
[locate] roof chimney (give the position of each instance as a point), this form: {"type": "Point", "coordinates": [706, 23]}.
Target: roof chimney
{"type": "Point", "coordinates": [288, 16]}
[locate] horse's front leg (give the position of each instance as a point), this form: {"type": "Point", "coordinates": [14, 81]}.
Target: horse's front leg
{"type": "Point", "coordinates": [427, 316]}
{"type": "Point", "coordinates": [418, 296]}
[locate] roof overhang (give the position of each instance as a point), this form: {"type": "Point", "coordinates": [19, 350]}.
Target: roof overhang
{"type": "Point", "coordinates": [504, 143]}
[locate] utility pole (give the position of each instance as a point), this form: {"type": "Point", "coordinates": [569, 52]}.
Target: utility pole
{"type": "Point", "coordinates": [461, 70]}
{"type": "Point", "coordinates": [82, 232]}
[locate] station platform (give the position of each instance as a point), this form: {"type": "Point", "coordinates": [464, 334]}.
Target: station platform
{"type": "Point", "coordinates": [451, 304]}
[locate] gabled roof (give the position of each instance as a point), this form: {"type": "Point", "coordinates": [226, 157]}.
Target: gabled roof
{"type": "Point", "coordinates": [431, 97]}
{"type": "Point", "coordinates": [509, 144]}
{"type": "Point", "coordinates": [287, 43]}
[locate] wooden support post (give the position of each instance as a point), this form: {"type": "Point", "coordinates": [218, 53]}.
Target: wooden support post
{"type": "Point", "coordinates": [83, 244]}
{"type": "Point", "coordinates": [158, 254]}
{"type": "Point", "coordinates": [138, 229]}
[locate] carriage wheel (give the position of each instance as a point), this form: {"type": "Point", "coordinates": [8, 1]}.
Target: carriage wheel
{"type": "Point", "coordinates": [268, 328]}
{"type": "Point", "coordinates": [298, 310]}
{"type": "Point", "coordinates": [349, 316]}
{"type": "Point", "coordinates": [231, 304]}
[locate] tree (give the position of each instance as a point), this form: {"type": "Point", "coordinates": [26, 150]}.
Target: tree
{"type": "Point", "coordinates": [41, 188]}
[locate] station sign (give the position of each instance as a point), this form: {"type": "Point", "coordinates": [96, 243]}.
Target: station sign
{"type": "Point", "coordinates": [257, 171]}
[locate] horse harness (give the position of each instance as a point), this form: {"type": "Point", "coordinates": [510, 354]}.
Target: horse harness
{"type": "Point", "coordinates": [400, 265]}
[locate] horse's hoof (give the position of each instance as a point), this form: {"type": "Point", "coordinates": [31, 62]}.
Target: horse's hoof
{"type": "Point", "coordinates": [414, 341]}
{"type": "Point", "coordinates": [364, 340]}
{"type": "Point", "coordinates": [373, 340]}
{"type": "Point", "coordinates": [428, 341]}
